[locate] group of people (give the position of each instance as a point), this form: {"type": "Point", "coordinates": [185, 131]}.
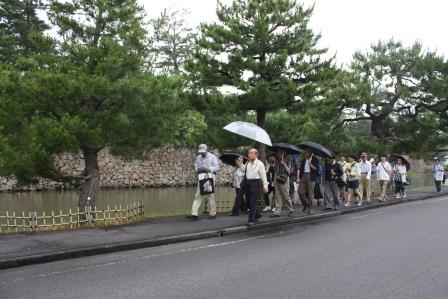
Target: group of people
{"type": "Point", "coordinates": [281, 174]}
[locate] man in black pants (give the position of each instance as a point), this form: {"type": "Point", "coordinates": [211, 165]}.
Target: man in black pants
{"type": "Point", "coordinates": [256, 181]}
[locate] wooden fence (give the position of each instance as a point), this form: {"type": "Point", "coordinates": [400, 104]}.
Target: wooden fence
{"type": "Point", "coordinates": [33, 221]}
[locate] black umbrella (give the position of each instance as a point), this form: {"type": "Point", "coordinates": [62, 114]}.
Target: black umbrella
{"type": "Point", "coordinates": [393, 159]}
{"type": "Point", "coordinates": [286, 147]}
{"type": "Point", "coordinates": [229, 158]}
{"type": "Point", "coordinates": [317, 149]}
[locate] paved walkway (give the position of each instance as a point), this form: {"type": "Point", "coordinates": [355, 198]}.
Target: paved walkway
{"type": "Point", "coordinates": [27, 248]}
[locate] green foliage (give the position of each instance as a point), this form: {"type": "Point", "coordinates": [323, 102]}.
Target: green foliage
{"type": "Point", "coordinates": [21, 31]}
{"type": "Point", "coordinates": [263, 50]}
{"type": "Point", "coordinates": [94, 95]}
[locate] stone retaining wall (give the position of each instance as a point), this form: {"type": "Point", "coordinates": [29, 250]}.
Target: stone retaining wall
{"type": "Point", "coordinates": [165, 166]}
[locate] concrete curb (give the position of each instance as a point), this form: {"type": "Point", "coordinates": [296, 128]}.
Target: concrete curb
{"type": "Point", "coordinates": [124, 246]}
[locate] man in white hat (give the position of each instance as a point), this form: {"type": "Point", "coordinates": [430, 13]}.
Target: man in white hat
{"type": "Point", "coordinates": [206, 165]}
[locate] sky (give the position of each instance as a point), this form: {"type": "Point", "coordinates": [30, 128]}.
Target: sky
{"type": "Point", "coordinates": [349, 25]}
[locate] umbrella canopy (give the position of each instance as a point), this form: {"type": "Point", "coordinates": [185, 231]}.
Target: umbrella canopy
{"type": "Point", "coordinates": [249, 130]}
{"type": "Point", "coordinates": [393, 159]}
{"type": "Point", "coordinates": [286, 147]}
{"type": "Point", "coordinates": [317, 149]}
{"type": "Point", "coordinates": [229, 158]}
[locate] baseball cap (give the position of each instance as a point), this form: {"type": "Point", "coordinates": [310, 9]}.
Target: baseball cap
{"type": "Point", "coordinates": [202, 148]}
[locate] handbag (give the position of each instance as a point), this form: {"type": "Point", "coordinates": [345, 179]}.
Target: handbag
{"type": "Point", "coordinates": [340, 182]}
{"type": "Point", "coordinates": [206, 184]}
{"type": "Point", "coordinates": [282, 178]}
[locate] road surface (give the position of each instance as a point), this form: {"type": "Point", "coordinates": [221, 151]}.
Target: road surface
{"type": "Point", "coordinates": [394, 252]}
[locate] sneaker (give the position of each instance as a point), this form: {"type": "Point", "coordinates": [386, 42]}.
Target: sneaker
{"type": "Point", "coordinates": [210, 217]}
{"type": "Point", "coordinates": [397, 196]}
{"type": "Point", "coordinates": [347, 205]}
{"type": "Point", "coordinates": [368, 202]}
{"type": "Point", "coordinates": [267, 208]}
{"type": "Point", "coordinates": [359, 204]}
{"type": "Point", "coordinates": [291, 214]}
{"type": "Point", "coordinates": [404, 195]}
{"type": "Point", "coordinates": [250, 223]}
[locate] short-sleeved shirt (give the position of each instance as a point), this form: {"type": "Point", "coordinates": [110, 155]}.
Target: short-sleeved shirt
{"type": "Point", "coordinates": [383, 170]}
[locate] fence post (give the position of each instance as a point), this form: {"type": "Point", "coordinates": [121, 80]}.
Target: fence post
{"type": "Point", "coordinates": [33, 220]}
{"type": "Point", "coordinates": [23, 221]}
{"type": "Point", "coordinates": [52, 219]}
{"type": "Point", "coordinates": [15, 220]}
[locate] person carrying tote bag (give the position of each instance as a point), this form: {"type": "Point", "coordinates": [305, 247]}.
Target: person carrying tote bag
{"type": "Point", "coordinates": [206, 167]}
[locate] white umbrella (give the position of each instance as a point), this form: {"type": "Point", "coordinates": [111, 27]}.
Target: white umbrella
{"type": "Point", "coordinates": [249, 130]}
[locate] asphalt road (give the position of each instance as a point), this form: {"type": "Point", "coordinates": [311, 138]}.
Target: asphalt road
{"type": "Point", "coordinates": [395, 252]}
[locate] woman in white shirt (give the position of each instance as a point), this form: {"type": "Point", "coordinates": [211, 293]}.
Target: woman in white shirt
{"type": "Point", "coordinates": [238, 177]}
{"type": "Point", "coordinates": [399, 175]}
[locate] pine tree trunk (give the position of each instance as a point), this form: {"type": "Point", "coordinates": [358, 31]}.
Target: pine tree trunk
{"type": "Point", "coordinates": [261, 122]}
{"type": "Point", "coordinates": [92, 179]}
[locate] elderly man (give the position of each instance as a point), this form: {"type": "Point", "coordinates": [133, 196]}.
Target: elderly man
{"type": "Point", "coordinates": [256, 181]}
{"type": "Point", "coordinates": [206, 164]}
{"type": "Point", "coordinates": [366, 172]}
{"type": "Point", "coordinates": [308, 172]}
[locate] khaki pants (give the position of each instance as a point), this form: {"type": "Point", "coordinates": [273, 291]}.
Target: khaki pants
{"type": "Point", "coordinates": [282, 197]}
{"type": "Point", "coordinates": [383, 188]}
{"type": "Point", "coordinates": [211, 205]}
{"type": "Point", "coordinates": [365, 188]}
{"type": "Point", "coordinates": [306, 185]}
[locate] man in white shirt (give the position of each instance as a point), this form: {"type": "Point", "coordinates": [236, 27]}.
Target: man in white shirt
{"type": "Point", "coordinates": [256, 181]}
{"type": "Point", "coordinates": [206, 163]}
{"type": "Point", "coordinates": [384, 172]}
{"type": "Point", "coordinates": [366, 171]}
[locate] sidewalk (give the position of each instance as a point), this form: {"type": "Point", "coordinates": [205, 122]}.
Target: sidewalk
{"type": "Point", "coordinates": [24, 249]}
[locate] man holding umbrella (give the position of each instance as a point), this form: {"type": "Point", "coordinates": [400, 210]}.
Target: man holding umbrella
{"type": "Point", "coordinates": [256, 180]}
{"type": "Point", "coordinates": [281, 185]}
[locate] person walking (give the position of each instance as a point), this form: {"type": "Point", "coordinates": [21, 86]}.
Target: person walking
{"type": "Point", "coordinates": [308, 172]}
{"type": "Point", "coordinates": [238, 177]}
{"type": "Point", "coordinates": [399, 175]}
{"type": "Point", "coordinates": [206, 167]}
{"type": "Point", "coordinates": [292, 176]}
{"type": "Point", "coordinates": [256, 181]}
{"type": "Point", "coordinates": [343, 190]}
{"type": "Point", "coordinates": [270, 173]}
{"type": "Point", "coordinates": [383, 172]}
{"type": "Point", "coordinates": [318, 196]}
{"type": "Point", "coordinates": [353, 174]}
{"type": "Point", "coordinates": [366, 171]}
{"type": "Point", "coordinates": [281, 185]}
{"type": "Point", "coordinates": [438, 173]}
{"type": "Point", "coordinates": [332, 172]}
{"type": "Point", "coordinates": [373, 176]}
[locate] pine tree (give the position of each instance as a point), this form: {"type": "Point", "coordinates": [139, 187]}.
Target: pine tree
{"type": "Point", "coordinates": [263, 51]}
